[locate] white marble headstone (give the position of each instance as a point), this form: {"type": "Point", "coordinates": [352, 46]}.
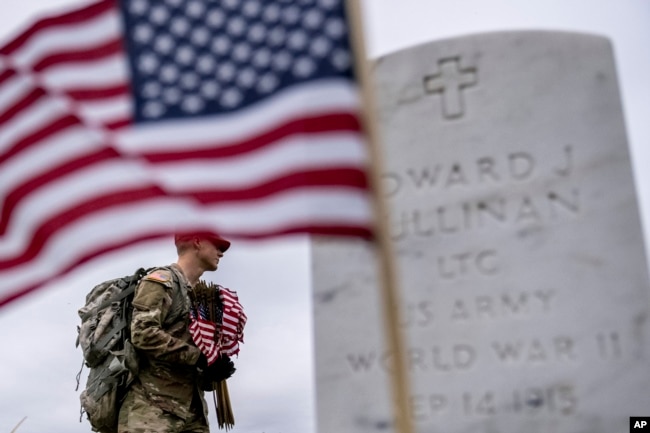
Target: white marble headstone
{"type": "Point", "coordinates": [518, 242]}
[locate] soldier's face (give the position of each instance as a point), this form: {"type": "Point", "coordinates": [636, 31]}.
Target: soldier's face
{"type": "Point", "coordinates": [209, 255]}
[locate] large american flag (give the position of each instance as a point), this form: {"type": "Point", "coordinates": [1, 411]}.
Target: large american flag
{"type": "Point", "coordinates": [123, 122]}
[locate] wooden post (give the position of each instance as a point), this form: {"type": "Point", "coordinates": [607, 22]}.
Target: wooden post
{"type": "Point", "coordinates": [386, 258]}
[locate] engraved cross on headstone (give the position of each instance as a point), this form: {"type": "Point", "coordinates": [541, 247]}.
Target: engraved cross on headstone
{"type": "Point", "coordinates": [450, 80]}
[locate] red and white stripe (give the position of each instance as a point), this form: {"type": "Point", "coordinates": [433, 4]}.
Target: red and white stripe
{"type": "Point", "coordinates": [203, 334]}
{"type": "Point", "coordinates": [234, 320]}
{"type": "Point", "coordinates": [78, 179]}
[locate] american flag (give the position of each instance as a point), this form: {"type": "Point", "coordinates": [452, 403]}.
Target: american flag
{"type": "Point", "coordinates": [232, 323]}
{"type": "Point", "coordinates": [203, 333]}
{"type": "Point", "coordinates": [123, 122]}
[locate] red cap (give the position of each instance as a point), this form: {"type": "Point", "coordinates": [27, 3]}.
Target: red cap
{"type": "Point", "coordinates": [218, 241]}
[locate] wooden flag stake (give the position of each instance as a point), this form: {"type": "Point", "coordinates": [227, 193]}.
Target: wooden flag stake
{"type": "Point", "coordinates": [387, 268]}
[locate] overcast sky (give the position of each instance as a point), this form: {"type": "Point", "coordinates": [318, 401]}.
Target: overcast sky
{"type": "Point", "coordinates": [272, 389]}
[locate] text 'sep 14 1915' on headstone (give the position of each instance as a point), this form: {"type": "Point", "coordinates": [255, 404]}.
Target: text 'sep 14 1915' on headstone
{"type": "Point", "coordinates": [518, 244]}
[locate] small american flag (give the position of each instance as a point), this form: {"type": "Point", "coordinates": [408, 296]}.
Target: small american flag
{"type": "Point", "coordinates": [125, 121]}
{"type": "Point", "coordinates": [233, 322]}
{"type": "Point", "coordinates": [203, 333]}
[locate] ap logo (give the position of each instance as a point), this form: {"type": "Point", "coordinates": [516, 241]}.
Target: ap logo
{"type": "Point", "coordinates": [639, 424]}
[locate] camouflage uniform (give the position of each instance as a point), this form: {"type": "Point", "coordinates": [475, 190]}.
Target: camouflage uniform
{"type": "Point", "coordinates": [165, 397]}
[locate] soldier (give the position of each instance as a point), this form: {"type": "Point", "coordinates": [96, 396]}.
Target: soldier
{"type": "Point", "coordinates": [166, 396]}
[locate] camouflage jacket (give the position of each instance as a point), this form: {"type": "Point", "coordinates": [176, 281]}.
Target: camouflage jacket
{"type": "Point", "coordinates": [160, 333]}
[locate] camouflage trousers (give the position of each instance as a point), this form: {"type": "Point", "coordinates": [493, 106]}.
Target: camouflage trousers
{"type": "Point", "coordinates": [139, 415]}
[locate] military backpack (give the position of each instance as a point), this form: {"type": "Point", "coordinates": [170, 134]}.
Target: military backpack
{"type": "Point", "coordinates": [104, 337]}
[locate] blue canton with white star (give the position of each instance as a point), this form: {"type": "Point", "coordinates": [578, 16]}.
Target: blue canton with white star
{"type": "Point", "coordinates": [201, 57]}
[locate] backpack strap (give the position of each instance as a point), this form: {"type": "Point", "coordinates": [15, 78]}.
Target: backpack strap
{"type": "Point", "coordinates": [119, 327]}
{"type": "Point", "coordinates": [123, 294]}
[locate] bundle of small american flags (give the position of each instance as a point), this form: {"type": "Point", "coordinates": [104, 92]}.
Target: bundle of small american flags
{"type": "Point", "coordinates": [217, 328]}
{"type": "Point", "coordinates": [217, 320]}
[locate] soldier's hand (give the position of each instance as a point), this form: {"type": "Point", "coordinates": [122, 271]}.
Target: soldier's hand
{"type": "Point", "coordinates": [202, 363]}
{"type": "Point", "coordinates": [220, 370]}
